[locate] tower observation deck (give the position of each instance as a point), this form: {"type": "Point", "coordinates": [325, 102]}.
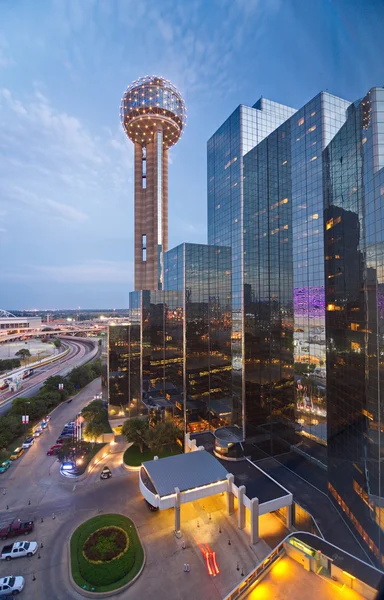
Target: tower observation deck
{"type": "Point", "coordinates": [153, 116]}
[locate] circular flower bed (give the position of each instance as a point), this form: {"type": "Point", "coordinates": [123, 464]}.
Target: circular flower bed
{"type": "Point", "coordinates": [105, 544]}
{"type": "Point", "coordinates": [106, 553]}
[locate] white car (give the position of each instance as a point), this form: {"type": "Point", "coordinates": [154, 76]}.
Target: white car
{"type": "Point", "coordinates": [28, 442]}
{"type": "Point", "coordinates": [18, 549]}
{"type": "Point", "coordinates": [38, 431]}
{"type": "Point", "coordinates": [10, 586]}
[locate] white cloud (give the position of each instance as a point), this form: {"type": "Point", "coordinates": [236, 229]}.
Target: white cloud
{"type": "Point", "coordinates": [52, 163]}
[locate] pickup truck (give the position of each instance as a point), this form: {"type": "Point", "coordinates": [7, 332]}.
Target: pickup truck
{"type": "Point", "coordinates": [17, 527]}
{"type": "Point", "coordinates": [18, 549]}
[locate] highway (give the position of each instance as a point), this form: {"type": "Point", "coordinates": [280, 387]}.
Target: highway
{"type": "Point", "coordinates": [81, 351]}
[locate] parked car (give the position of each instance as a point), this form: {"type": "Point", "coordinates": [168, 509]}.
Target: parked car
{"type": "Point", "coordinates": [105, 473]}
{"type": "Point", "coordinates": [28, 442]}
{"type": "Point", "coordinates": [16, 453]}
{"type": "Point", "coordinates": [47, 418]}
{"type": "Point", "coordinates": [16, 527]}
{"type": "Point", "coordinates": [18, 549]}
{"type": "Point", "coordinates": [43, 424]}
{"type": "Point", "coordinates": [38, 431]}
{"type": "Point", "coordinates": [63, 438]}
{"type": "Point", "coordinates": [10, 586]}
{"type": "Point", "coordinates": [54, 449]}
{"type": "Point", "coordinates": [5, 465]}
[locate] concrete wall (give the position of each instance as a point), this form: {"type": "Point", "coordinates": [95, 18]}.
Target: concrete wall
{"type": "Point", "coordinates": [359, 586]}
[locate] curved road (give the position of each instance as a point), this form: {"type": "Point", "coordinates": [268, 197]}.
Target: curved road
{"type": "Point", "coordinates": [34, 489]}
{"type": "Point", "coordinates": [81, 352]}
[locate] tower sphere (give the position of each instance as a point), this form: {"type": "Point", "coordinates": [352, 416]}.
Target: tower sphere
{"type": "Point", "coordinates": [149, 103]}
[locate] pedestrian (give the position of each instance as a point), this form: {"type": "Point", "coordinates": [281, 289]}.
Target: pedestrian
{"type": "Point", "coordinates": [183, 545]}
{"type": "Point", "coordinates": [188, 568]}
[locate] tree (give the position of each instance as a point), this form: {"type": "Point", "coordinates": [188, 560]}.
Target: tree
{"type": "Point", "coordinates": [94, 412]}
{"type": "Point", "coordinates": [57, 343]}
{"type": "Point", "coordinates": [135, 431]}
{"type": "Point", "coordinates": [94, 430]}
{"type": "Point", "coordinates": [23, 353]}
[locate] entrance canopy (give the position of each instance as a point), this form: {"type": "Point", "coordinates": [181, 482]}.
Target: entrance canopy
{"type": "Point", "coordinates": [195, 474]}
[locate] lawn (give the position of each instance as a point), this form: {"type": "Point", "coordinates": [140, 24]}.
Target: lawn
{"type": "Point", "coordinates": [133, 457]}
{"type": "Point", "coordinates": [117, 572]}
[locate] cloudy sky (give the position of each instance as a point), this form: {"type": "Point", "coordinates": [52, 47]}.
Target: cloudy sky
{"type": "Point", "coordinates": [66, 188]}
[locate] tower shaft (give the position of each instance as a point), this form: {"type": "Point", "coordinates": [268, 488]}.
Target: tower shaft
{"type": "Point", "coordinates": [151, 211]}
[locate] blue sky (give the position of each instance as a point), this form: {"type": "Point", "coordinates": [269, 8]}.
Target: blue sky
{"type": "Point", "coordinates": [66, 188]}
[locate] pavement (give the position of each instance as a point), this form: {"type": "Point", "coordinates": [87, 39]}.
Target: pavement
{"type": "Point", "coordinates": [35, 489]}
{"type": "Point", "coordinates": [288, 579]}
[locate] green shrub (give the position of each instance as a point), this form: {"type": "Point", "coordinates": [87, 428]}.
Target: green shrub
{"type": "Point", "coordinates": [112, 574]}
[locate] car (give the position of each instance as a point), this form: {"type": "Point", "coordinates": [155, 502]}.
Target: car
{"type": "Point", "coordinates": [28, 442]}
{"type": "Point", "coordinates": [43, 424]}
{"type": "Point", "coordinates": [47, 418]}
{"type": "Point", "coordinates": [151, 507]}
{"type": "Point", "coordinates": [16, 453]}
{"type": "Point", "coordinates": [18, 549]}
{"type": "Point", "coordinates": [38, 431]}
{"type": "Point", "coordinates": [10, 586]}
{"type": "Point", "coordinates": [105, 473]}
{"type": "Point", "coordinates": [63, 438]}
{"type": "Point", "coordinates": [5, 465]}
{"type": "Point", "coordinates": [16, 528]}
{"type": "Point", "coordinates": [54, 449]}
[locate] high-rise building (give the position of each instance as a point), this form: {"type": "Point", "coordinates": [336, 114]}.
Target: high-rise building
{"type": "Point", "coordinates": [284, 361]}
{"type": "Point", "coordinates": [153, 116]}
{"type": "Point", "coordinates": [354, 292]}
{"type": "Point", "coordinates": [245, 128]}
{"type": "Point", "coordinates": [184, 365]}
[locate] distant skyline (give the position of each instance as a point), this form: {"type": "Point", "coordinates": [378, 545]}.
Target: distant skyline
{"type": "Point", "coordinates": [66, 180]}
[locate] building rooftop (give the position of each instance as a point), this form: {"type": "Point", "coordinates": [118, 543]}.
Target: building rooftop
{"type": "Point", "coordinates": [258, 484]}
{"type": "Point", "coordinates": [184, 471]}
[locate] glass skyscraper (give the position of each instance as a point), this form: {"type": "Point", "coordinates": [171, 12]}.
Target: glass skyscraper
{"type": "Point", "coordinates": [265, 200]}
{"type": "Point", "coordinates": [245, 128]}
{"type": "Point", "coordinates": [174, 356]}
{"type": "Point", "coordinates": [354, 269]}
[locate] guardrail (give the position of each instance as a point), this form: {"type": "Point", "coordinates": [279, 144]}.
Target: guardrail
{"type": "Point", "coordinates": [260, 570]}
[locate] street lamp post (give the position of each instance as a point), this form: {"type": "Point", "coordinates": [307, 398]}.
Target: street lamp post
{"type": "Point", "coordinates": [25, 418]}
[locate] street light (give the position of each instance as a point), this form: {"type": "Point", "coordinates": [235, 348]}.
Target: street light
{"type": "Point", "coordinates": [25, 418]}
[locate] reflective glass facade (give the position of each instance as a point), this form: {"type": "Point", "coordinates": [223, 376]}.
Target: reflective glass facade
{"type": "Point", "coordinates": [268, 290]}
{"type": "Point", "coordinates": [175, 355]}
{"type": "Point", "coordinates": [246, 127]}
{"type": "Point", "coordinates": [312, 128]}
{"type": "Point", "coordinates": [354, 269]}
{"type": "Point", "coordinates": [124, 370]}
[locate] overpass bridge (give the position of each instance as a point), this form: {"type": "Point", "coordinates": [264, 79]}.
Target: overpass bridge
{"type": "Point", "coordinates": [67, 331]}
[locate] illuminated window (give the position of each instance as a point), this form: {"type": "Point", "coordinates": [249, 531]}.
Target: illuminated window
{"type": "Point", "coordinates": [315, 216]}
{"type": "Point", "coordinates": [355, 347]}
{"type": "Point", "coordinates": [313, 158]}
{"type": "Point", "coordinates": [301, 121]}
{"type": "Point", "coordinates": [355, 326]}
{"type": "Point", "coordinates": [313, 113]}
{"type": "Point", "coordinates": [312, 128]}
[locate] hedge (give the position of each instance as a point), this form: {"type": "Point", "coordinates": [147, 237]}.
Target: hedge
{"type": "Point", "coordinates": [112, 575]}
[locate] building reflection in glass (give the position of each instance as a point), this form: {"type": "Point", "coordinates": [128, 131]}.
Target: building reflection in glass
{"type": "Point", "coordinates": [354, 269]}
{"type": "Point", "coordinates": [174, 358]}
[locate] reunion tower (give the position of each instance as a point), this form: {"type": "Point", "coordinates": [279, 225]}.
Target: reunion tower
{"type": "Point", "coordinates": [153, 116]}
